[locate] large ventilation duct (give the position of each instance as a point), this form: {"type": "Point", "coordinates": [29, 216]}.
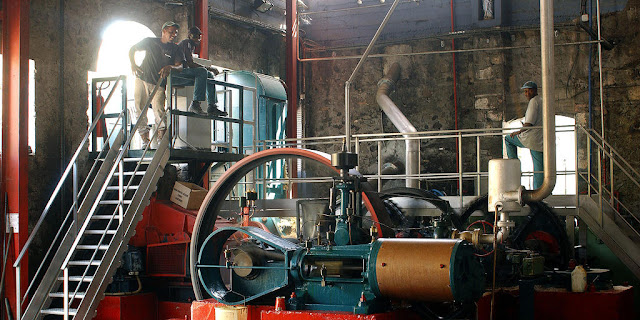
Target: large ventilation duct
{"type": "Point", "coordinates": [401, 122]}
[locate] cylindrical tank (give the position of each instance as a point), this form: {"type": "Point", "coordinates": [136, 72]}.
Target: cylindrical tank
{"type": "Point", "coordinates": [504, 178]}
{"type": "Point", "coordinates": [426, 270]}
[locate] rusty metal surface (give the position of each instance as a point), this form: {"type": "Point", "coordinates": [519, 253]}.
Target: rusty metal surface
{"type": "Point", "coordinates": [415, 269]}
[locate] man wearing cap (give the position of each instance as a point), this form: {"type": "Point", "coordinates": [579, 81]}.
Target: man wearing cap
{"type": "Point", "coordinates": [194, 70]}
{"type": "Point", "coordinates": [530, 138]}
{"type": "Point", "coordinates": [161, 57]}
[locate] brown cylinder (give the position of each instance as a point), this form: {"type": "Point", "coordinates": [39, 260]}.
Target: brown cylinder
{"type": "Point", "coordinates": [416, 269]}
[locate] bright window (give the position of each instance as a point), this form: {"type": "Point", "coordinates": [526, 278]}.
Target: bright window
{"type": "Point", "coordinates": [565, 156]}
{"type": "Point", "coordinates": [31, 102]}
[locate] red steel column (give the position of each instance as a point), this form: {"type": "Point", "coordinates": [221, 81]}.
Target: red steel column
{"type": "Point", "coordinates": [291, 63]}
{"type": "Point", "coordinates": [15, 111]}
{"type": "Point", "coordinates": [202, 21]}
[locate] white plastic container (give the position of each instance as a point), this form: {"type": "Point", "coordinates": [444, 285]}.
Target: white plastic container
{"type": "Point", "coordinates": [232, 313]}
{"type": "Point", "coordinates": [579, 279]}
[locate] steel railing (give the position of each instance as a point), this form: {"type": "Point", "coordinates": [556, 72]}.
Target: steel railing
{"type": "Point", "coordinates": [70, 173]}
{"type": "Point", "coordinates": [603, 168]}
{"type": "Point", "coordinates": [470, 160]}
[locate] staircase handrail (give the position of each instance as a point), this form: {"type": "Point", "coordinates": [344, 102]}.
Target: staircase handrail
{"type": "Point", "coordinates": [594, 136]}
{"type": "Point", "coordinates": [124, 149]}
{"type": "Point", "coordinates": [65, 175]}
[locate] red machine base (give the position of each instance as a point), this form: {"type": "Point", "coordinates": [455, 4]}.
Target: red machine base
{"type": "Point", "coordinates": [205, 310]}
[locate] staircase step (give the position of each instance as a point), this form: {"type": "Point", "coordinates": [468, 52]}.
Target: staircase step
{"type": "Point", "coordinates": [118, 188]}
{"type": "Point", "coordinates": [103, 217]}
{"type": "Point", "coordinates": [100, 232]}
{"type": "Point", "coordinates": [79, 295]}
{"type": "Point", "coordinates": [129, 173]}
{"type": "Point", "coordinates": [78, 278]}
{"type": "Point", "coordinates": [138, 159]}
{"type": "Point", "coordinates": [58, 311]}
{"type": "Point", "coordinates": [84, 262]}
{"type": "Point", "coordinates": [92, 247]}
{"type": "Point", "coordinates": [127, 202]}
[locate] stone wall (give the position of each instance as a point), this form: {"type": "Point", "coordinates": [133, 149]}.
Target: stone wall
{"type": "Point", "coordinates": [489, 74]}
{"type": "Point", "coordinates": [64, 45]}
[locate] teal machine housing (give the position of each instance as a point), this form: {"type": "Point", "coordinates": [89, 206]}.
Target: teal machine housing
{"type": "Point", "coordinates": [354, 278]}
{"type": "Point", "coordinates": [264, 113]}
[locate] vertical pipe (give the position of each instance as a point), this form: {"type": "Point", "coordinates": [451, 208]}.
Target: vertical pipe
{"type": "Point", "coordinates": [600, 72]}
{"type": "Point", "coordinates": [460, 168]}
{"type": "Point", "coordinates": [379, 165]}
{"type": "Point", "coordinates": [590, 67]}
{"type": "Point", "coordinates": [548, 110]}
{"type": "Point", "coordinates": [455, 86]}
{"type": "Point", "coordinates": [577, 177]}
{"type": "Point", "coordinates": [357, 145]}
{"type": "Point", "coordinates": [588, 140]}
{"type": "Point", "coordinates": [478, 176]}
{"type": "Point", "coordinates": [347, 117]}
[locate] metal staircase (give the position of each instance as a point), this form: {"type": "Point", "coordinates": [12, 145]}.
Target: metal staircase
{"type": "Point", "coordinates": [88, 247]}
{"type": "Point", "coordinates": [615, 223]}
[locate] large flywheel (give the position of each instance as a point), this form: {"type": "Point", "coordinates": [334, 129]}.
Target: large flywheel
{"type": "Point", "coordinates": [213, 202]}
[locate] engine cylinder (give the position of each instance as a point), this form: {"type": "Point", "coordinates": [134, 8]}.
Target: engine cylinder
{"type": "Point", "coordinates": [426, 270]}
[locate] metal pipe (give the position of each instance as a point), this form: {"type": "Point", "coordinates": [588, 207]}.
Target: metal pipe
{"type": "Point", "coordinates": [600, 69]}
{"type": "Point", "coordinates": [382, 55]}
{"type": "Point", "coordinates": [401, 122]}
{"type": "Point", "coordinates": [347, 84]}
{"type": "Point", "coordinates": [548, 111]}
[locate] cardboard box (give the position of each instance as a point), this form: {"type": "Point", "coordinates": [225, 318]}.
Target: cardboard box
{"type": "Point", "coordinates": [188, 195]}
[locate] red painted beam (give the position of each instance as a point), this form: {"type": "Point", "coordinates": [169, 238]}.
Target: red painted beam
{"type": "Point", "coordinates": [291, 64]}
{"type": "Point", "coordinates": [202, 21]}
{"type": "Point", "coordinates": [15, 112]}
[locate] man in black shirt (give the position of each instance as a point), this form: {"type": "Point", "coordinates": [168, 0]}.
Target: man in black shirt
{"type": "Point", "coordinates": [162, 56]}
{"type": "Point", "coordinates": [193, 69]}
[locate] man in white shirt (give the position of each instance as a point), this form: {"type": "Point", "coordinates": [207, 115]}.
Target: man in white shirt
{"type": "Point", "coordinates": [530, 138]}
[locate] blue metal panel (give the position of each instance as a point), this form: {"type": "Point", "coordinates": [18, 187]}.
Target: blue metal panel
{"type": "Point", "coordinates": [271, 112]}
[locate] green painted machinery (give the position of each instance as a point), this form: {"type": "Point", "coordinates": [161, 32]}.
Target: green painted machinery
{"type": "Point", "coordinates": [237, 265]}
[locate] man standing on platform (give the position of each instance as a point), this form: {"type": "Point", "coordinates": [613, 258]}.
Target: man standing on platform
{"type": "Point", "coordinates": [162, 56]}
{"type": "Point", "coordinates": [530, 138]}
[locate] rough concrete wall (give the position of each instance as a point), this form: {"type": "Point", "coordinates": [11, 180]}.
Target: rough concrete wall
{"type": "Point", "coordinates": [238, 47]}
{"type": "Point", "coordinates": [61, 79]}
{"type": "Point", "coordinates": [489, 77]}
{"type": "Point", "coordinates": [621, 79]}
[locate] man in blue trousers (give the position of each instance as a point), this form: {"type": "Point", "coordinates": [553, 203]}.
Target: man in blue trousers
{"type": "Point", "coordinates": [530, 138]}
{"type": "Point", "coordinates": [197, 72]}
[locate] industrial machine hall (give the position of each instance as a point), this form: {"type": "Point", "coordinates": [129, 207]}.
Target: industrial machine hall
{"type": "Point", "coordinates": [320, 159]}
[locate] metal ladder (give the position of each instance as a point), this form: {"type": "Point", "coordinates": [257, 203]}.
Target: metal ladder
{"type": "Point", "coordinates": [89, 245]}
